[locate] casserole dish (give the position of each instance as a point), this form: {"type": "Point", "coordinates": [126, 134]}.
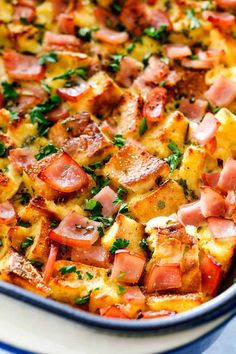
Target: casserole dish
{"type": "Point", "coordinates": [50, 327]}
{"type": "Point", "coordinates": [117, 173]}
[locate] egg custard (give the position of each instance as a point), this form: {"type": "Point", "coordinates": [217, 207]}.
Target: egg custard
{"type": "Point", "coordinates": [117, 152]}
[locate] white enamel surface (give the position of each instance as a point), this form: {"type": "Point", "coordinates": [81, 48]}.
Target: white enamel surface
{"type": "Point", "coordinates": [27, 327]}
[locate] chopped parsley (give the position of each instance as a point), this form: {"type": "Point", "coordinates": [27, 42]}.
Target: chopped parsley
{"type": "Point", "coordinates": [174, 159]}
{"type": "Point", "coordinates": [23, 223]}
{"type": "Point", "coordinates": [143, 126]}
{"type": "Point", "coordinates": [46, 87]}
{"type": "Point", "coordinates": [82, 300]}
{"type": "Point", "coordinates": [89, 275]}
{"type": "Point", "coordinates": [85, 34]}
{"type": "Point", "coordinates": [118, 244]}
{"type": "Point", "coordinates": [161, 34]}
{"type": "Point", "coordinates": [194, 22]}
{"type": "Point", "coordinates": [102, 219]}
{"type": "Point", "coordinates": [118, 140]}
{"type": "Point", "coordinates": [9, 91]}
{"type": "Point", "coordinates": [131, 48]}
{"type": "Point", "coordinates": [123, 209]}
{"type": "Point", "coordinates": [189, 193]}
{"type": "Point", "coordinates": [48, 58]}
{"type": "Point", "coordinates": [121, 289]}
{"type": "Point", "coordinates": [2, 149]}
{"type": "Point", "coordinates": [94, 206]}
{"type": "Point", "coordinates": [165, 60]}
{"type": "Point", "coordinates": [143, 244]}
{"type": "Point", "coordinates": [121, 192]}
{"type": "Point", "coordinates": [116, 7]}
{"type": "Point", "coordinates": [161, 204]}
{"type": "Point", "coordinates": [46, 151]}
{"type": "Point", "coordinates": [67, 269]}
{"type": "Point", "coordinates": [54, 223]}
{"type": "Point", "coordinates": [24, 198]}
{"type": "Point", "coordinates": [37, 114]}
{"type": "Point", "coordinates": [81, 72]}
{"type": "Point", "coordinates": [14, 115]}
{"type": "Point", "coordinates": [1, 242]}
{"type": "Point", "coordinates": [114, 65]}
{"type": "Point", "coordinates": [28, 241]}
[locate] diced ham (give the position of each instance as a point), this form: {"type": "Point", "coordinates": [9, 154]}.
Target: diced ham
{"type": "Point", "coordinates": [211, 146]}
{"type": "Point", "coordinates": [128, 264]}
{"type": "Point", "coordinates": [64, 174]}
{"type": "Point", "coordinates": [66, 24]}
{"type": "Point", "coordinates": [206, 130]}
{"type": "Point", "coordinates": [95, 256]}
{"type": "Point", "coordinates": [211, 179]}
{"type": "Point", "coordinates": [59, 7]}
{"type": "Point", "coordinates": [30, 95]}
{"type": "Point", "coordinates": [114, 311]}
{"type": "Point", "coordinates": [197, 64]}
{"type": "Point", "coordinates": [48, 270]}
{"type": "Point", "coordinates": [157, 314]}
{"type": "Point", "coordinates": [129, 70]}
{"type": "Point", "coordinates": [7, 213]}
{"type": "Point", "coordinates": [231, 203]}
{"type": "Point", "coordinates": [222, 92]}
{"type": "Point", "coordinates": [227, 180]}
{"type": "Point", "coordinates": [135, 16]}
{"type": "Point", "coordinates": [156, 71]}
{"type": "Point", "coordinates": [106, 197]}
{"type": "Point", "coordinates": [163, 277]}
{"type": "Point", "coordinates": [221, 228]}
{"type": "Point", "coordinates": [220, 19]}
{"type": "Point", "coordinates": [133, 295]}
{"type": "Point", "coordinates": [58, 113]}
{"type": "Point", "coordinates": [74, 93]}
{"type": "Point", "coordinates": [153, 109]}
{"type": "Point", "coordinates": [111, 37]}
{"type": "Point", "coordinates": [190, 214]}
{"type": "Point", "coordinates": [21, 158]}
{"type": "Point", "coordinates": [60, 42]}
{"type": "Point", "coordinates": [105, 17]}
{"type": "Point", "coordinates": [211, 203]}
{"type": "Point", "coordinates": [159, 18]}
{"type": "Point", "coordinates": [23, 12]}
{"type": "Point", "coordinates": [193, 110]}
{"type": "Point", "coordinates": [226, 4]}
{"type": "Point", "coordinates": [75, 230]}
{"type": "Point", "coordinates": [22, 67]}
{"type": "Point", "coordinates": [177, 51]}
{"type": "Point", "coordinates": [212, 274]}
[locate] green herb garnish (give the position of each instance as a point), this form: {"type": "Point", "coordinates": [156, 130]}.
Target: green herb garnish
{"type": "Point", "coordinates": [68, 269]}
{"type": "Point", "coordinates": [46, 151]}
{"type": "Point", "coordinates": [28, 241]}
{"type": "Point", "coordinates": [82, 300]}
{"type": "Point", "coordinates": [161, 34]}
{"type": "Point", "coordinates": [161, 204]}
{"type": "Point", "coordinates": [143, 244]}
{"type": "Point", "coordinates": [174, 160]}
{"type": "Point", "coordinates": [118, 140]}
{"type": "Point", "coordinates": [81, 72]}
{"type": "Point", "coordinates": [143, 126]}
{"type": "Point", "coordinates": [194, 22]}
{"type": "Point", "coordinates": [48, 58]}
{"type": "Point", "coordinates": [119, 243]}
{"type": "Point", "coordinates": [9, 91]}
{"type": "Point", "coordinates": [2, 149]}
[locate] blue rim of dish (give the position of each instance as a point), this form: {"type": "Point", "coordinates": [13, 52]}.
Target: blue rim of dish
{"type": "Point", "coordinates": [223, 304]}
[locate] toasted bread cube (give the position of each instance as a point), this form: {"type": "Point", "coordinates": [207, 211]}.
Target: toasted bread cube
{"type": "Point", "coordinates": [9, 183]}
{"type": "Point", "coordinates": [135, 169]}
{"type": "Point", "coordinates": [191, 168]}
{"type": "Point", "coordinates": [104, 296]}
{"type": "Point", "coordinates": [221, 249]}
{"type": "Point", "coordinates": [34, 184]}
{"type": "Point", "coordinates": [177, 303]}
{"type": "Point", "coordinates": [174, 128]}
{"type": "Point", "coordinates": [15, 269]}
{"type": "Point", "coordinates": [126, 117]}
{"type": "Point", "coordinates": [173, 245]}
{"type": "Point", "coordinates": [5, 242]}
{"type": "Point", "coordinates": [127, 228]}
{"type": "Point", "coordinates": [68, 287]}
{"type": "Point", "coordinates": [106, 94]}
{"type": "Point", "coordinates": [162, 201]}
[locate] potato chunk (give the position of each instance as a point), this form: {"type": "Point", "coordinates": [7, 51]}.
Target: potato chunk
{"type": "Point", "coordinates": [135, 169]}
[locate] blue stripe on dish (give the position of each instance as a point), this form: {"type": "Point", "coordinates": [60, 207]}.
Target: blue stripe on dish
{"type": "Point", "coordinates": [11, 349]}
